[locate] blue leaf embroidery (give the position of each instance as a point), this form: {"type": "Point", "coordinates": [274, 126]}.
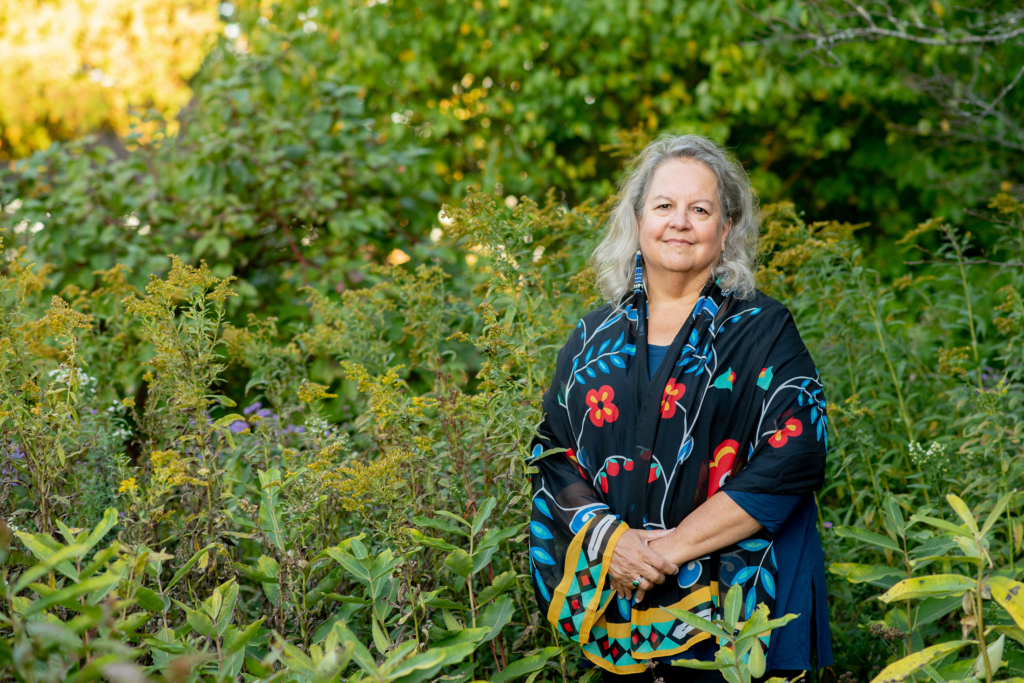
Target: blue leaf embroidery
{"type": "Point", "coordinates": [590, 371]}
{"type": "Point", "coordinates": [617, 362]}
{"type": "Point", "coordinates": [540, 585]}
{"type": "Point", "coordinates": [604, 346]}
{"type": "Point", "coordinates": [750, 604]}
{"type": "Point", "coordinates": [543, 507]}
{"type": "Point", "coordinates": [753, 544]}
{"type": "Point", "coordinates": [590, 352]}
{"type": "Point", "coordinates": [540, 531]}
{"type": "Point", "coordinates": [618, 342]}
{"type": "Point", "coordinates": [604, 366]}
{"type": "Point", "coordinates": [579, 378]}
{"type": "Point", "coordinates": [744, 575]}
{"type": "Point", "coordinates": [541, 555]}
{"type": "Point", "coordinates": [768, 582]}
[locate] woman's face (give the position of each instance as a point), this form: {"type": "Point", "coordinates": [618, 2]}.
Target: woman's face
{"type": "Point", "coordinates": [681, 229]}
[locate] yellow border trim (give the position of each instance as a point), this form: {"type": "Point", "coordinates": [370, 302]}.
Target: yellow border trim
{"type": "Point", "coordinates": [572, 556]}
{"type": "Point", "coordinates": [595, 609]}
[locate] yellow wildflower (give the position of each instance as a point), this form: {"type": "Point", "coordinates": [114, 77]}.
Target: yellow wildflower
{"type": "Point", "coordinates": [311, 391]}
{"type": "Point", "coordinates": [128, 486]}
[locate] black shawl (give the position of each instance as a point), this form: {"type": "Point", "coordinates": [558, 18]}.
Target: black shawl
{"type": "Point", "coordinates": [735, 405]}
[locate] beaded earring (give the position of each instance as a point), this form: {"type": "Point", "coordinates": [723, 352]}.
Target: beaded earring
{"type": "Point", "coordinates": [638, 278]}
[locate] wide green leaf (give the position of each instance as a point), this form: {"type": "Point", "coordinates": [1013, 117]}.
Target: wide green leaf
{"type": "Point", "coordinates": [937, 585]}
{"type": "Point", "coordinates": [497, 615]}
{"type": "Point", "coordinates": [521, 667]}
{"type": "Point", "coordinates": [858, 534]}
{"type": "Point", "coordinates": [698, 623]}
{"type": "Point", "coordinates": [460, 563]}
{"type": "Point", "coordinates": [902, 669]}
{"type": "Point", "coordinates": [1010, 596]}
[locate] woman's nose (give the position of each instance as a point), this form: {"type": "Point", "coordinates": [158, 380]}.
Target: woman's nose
{"type": "Point", "coordinates": [679, 219]}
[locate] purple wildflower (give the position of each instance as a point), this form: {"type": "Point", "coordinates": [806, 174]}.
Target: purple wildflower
{"type": "Point", "coordinates": [266, 413]}
{"type": "Point", "coordinates": [296, 429]}
{"type": "Point", "coordinates": [828, 525]}
{"type": "Point", "coordinates": [249, 410]}
{"type": "Point", "coordinates": [238, 426]}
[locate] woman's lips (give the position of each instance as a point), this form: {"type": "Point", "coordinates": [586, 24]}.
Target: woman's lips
{"type": "Point", "coordinates": [677, 242]}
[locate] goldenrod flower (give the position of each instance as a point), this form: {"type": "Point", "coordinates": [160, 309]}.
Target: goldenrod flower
{"type": "Point", "coordinates": [128, 485]}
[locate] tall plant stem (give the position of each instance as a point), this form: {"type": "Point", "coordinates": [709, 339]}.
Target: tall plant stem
{"type": "Point", "coordinates": [967, 297]}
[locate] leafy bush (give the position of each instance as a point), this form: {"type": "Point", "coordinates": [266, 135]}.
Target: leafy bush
{"type": "Point", "coordinates": [348, 496]}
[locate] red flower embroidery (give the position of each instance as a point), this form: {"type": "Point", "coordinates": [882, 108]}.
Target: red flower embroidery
{"type": "Point", "coordinates": [613, 469]}
{"type": "Point", "coordinates": [721, 465]}
{"type": "Point", "coordinates": [673, 392]}
{"type": "Point", "coordinates": [571, 454]}
{"type": "Point", "coordinates": [601, 407]}
{"type": "Point", "coordinates": [793, 427]}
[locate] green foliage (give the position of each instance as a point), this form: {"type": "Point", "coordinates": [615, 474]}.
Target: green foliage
{"type": "Point", "coordinates": [361, 513]}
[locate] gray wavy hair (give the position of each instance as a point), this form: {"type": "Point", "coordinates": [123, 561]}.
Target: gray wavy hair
{"type": "Point", "coordinates": [614, 258]}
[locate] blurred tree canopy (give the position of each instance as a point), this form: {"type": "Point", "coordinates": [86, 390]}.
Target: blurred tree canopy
{"type": "Point", "coordinates": [323, 136]}
{"type": "Point", "coordinates": [69, 67]}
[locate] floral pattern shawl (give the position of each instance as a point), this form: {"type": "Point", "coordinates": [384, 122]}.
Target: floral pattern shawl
{"type": "Point", "coordinates": [736, 405]}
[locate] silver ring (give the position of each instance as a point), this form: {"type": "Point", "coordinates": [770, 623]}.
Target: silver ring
{"type": "Point", "coordinates": [637, 581]}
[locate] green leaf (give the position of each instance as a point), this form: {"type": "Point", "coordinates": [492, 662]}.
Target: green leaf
{"type": "Point", "coordinates": [483, 514]}
{"type": "Point", "coordinates": [955, 529]}
{"type": "Point", "coordinates": [198, 620]}
{"type": "Point", "coordinates": [380, 639]}
{"type": "Point", "coordinates": [440, 525]}
{"type": "Point", "coordinates": [419, 537]}
{"type": "Point", "coordinates": [64, 555]}
{"type": "Point", "coordinates": [270, 506]}
{"type": "Point", "coordinates": [43, 548]}
{"type": "Point", "coordinates": [502, 582]}
{"type": "Point", "coordinates": [756, 663]}
{"type": "Point", "coordinates": [891, 508]}
{"type": "Point", "coordinates": [1010, 596]}
{"type": "Point", "coordinates": [496, 536]}
{"type": "Point", "coordinates": [184, 569]}
{"type": "Point", "coordinates": [255, 574]}
{"type": "Point", "coordinates": [149, 599]}
{"type": "Point", "coordinates": [227, 610]}
{"type": "Point", "coordinates": [108, 522]}
{"type": "Point", "coordinates": [97, 584]}
{"type": "Point", "coordinates": [425, 665]}
{"type": "Point", "coordinates": [698, 623]}
{"type": "Point", "coordinates": [994, 654]}
{"type": "Point", "coordinates": [497, 616]}
{"type": "Point", "coordinates": [241, 638]}
{"type": "Point", "coordinates": [466, 635]}
{"type": "Point", "coordinates": [900, 670]}
{"type": "Point", "coordinates": [961, 509]}
{"type": "Point", "coordinates": [932, 609]}
{"type": "Point", "coordinates": [866, 536]}
{"type": "Point", "coordinates": [351, 564]}
{"type": "Point", "coordinates": [733, 603]}
{"type": "Point", "coordinates": [699, 665]}
{"type": "Point", "coordinates": [482, 558]}
{"type": "Point", "coordinates": [875, 574]}
{"type": "Point", "coordinates": [521, 667]}
{"type": "Point", "coordinates": [227, 421]}
{"type": "Point", "coordinates": [937, 585]}
{"type": "Point", "coordinates": [993, 516]}
{"type": "Point", "coordinates": [460, 562]}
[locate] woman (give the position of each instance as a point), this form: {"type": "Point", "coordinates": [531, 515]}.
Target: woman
{"type": "Point", "coordinates": [684, 434]}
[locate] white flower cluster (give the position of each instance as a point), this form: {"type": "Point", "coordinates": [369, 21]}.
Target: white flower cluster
{"type": "Point", "coordinates": [935, 458]}
{"type": "Point", "coordinates": [63, 374]}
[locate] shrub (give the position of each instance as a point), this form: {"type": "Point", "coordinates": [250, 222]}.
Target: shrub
{"type": "Point", "coordinates": [348, 497]}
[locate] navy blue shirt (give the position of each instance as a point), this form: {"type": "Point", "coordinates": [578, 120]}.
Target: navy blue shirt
{"type": "Point", "coordinates": [800, 585]}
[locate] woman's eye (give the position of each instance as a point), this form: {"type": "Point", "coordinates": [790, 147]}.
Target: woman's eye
{"type": "Point", "coordinates": [700, 209]}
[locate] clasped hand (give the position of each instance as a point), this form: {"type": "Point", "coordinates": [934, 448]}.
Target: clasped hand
{"type": "Point", "coordinates": [632, 558]}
